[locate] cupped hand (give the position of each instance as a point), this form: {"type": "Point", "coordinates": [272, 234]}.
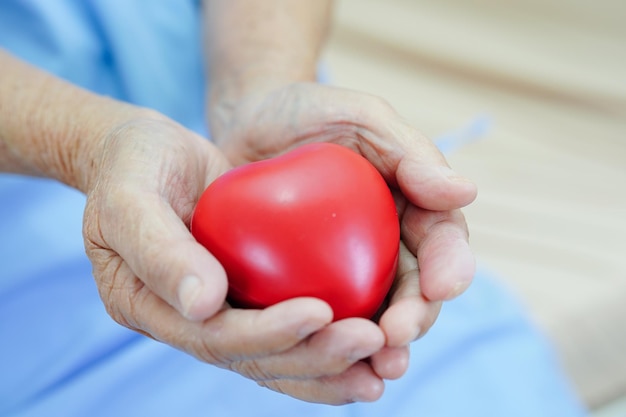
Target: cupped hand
{"type": "Point", "coordinates": [436, 263]}
{"type": "Point", "coordinates": [156, 279]}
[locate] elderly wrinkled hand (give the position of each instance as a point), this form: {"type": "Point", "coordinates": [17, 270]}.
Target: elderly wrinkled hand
{"type": "Point", "coordinates": [436, 263]}
{"type": "Point", "coordinates": [156, 279]}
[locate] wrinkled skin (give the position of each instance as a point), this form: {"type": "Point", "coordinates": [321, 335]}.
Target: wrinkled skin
{"type": "Point", "coordinates": [154, 278]}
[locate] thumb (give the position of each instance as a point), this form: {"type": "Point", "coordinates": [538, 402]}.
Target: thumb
{"type": "Point", "coordinates": [159, 249]}
{"type": "Point", "coordinates": [428, 182]}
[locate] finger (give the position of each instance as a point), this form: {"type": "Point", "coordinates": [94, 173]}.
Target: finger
{"type": "Point", "coordinates": [328, 352]}
{"type": "Point", "coordinates": [410, 160]}
{"type": "Point", "coordinates": [390, 362]}
{"type": "Point", "coordinates": [430, 183]}
{"type": "Point", "coordinates": [357, 384]}
{"type": "Point", "coordinates": [230, 335]}
{"type": "Point", "coordinates": [409, 314]}
{"type": "Point", "coordinates": [236, 335]}
{"type": "Point", "coordinates": [440, 240]}
{"type": "Point", "coordinates": [425, 177]}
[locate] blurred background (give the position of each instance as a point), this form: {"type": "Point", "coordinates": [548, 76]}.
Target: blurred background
{"type": "Point", "coordinates": [539, 89]}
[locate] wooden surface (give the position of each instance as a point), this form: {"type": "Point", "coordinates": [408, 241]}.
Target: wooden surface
{"type": "Point", "coordinates": [549, 78]}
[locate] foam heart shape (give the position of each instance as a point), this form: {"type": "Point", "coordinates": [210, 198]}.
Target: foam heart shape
{"type": "Point", "coordinates": [318, 221]}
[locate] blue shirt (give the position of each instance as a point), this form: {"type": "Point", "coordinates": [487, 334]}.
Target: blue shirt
{"type": "Point", "coordinates": [60, 353]}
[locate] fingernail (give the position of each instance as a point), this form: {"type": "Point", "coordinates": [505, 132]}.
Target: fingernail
{"type": "Point", "coordinates": [189, 290]}
{"type": "Point", "coordinates": [457, 290]}
{"type": "Point", "coordinates": [452, 175]}
{"type": "Point", "coordinates": [369, 393]}
{"type": "Point", "coordinates": [417, 333]}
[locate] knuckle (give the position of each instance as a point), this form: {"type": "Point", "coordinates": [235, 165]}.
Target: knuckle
{"type": "Point", "coordinates": [380, 106]}
{"type": "Point", "coordinates": [274, 385]}
{"type": "Point", "coordinates": [121, 293]}
{"type": "Point", "coordinates": [252, 369]}
{"type": "Point", "coordinates": [417, 223]}
{"type": "Point", "coordinates": [208, 352]}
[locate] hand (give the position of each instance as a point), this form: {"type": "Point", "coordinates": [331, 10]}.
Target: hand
{"type": "Point", "coordinates": [154, 278]}
{"type": "Point", "coordinates": [428, 193]}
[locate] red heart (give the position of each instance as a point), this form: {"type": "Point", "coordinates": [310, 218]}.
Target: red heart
{"type": "Point", "coordinates": [319, 221]}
